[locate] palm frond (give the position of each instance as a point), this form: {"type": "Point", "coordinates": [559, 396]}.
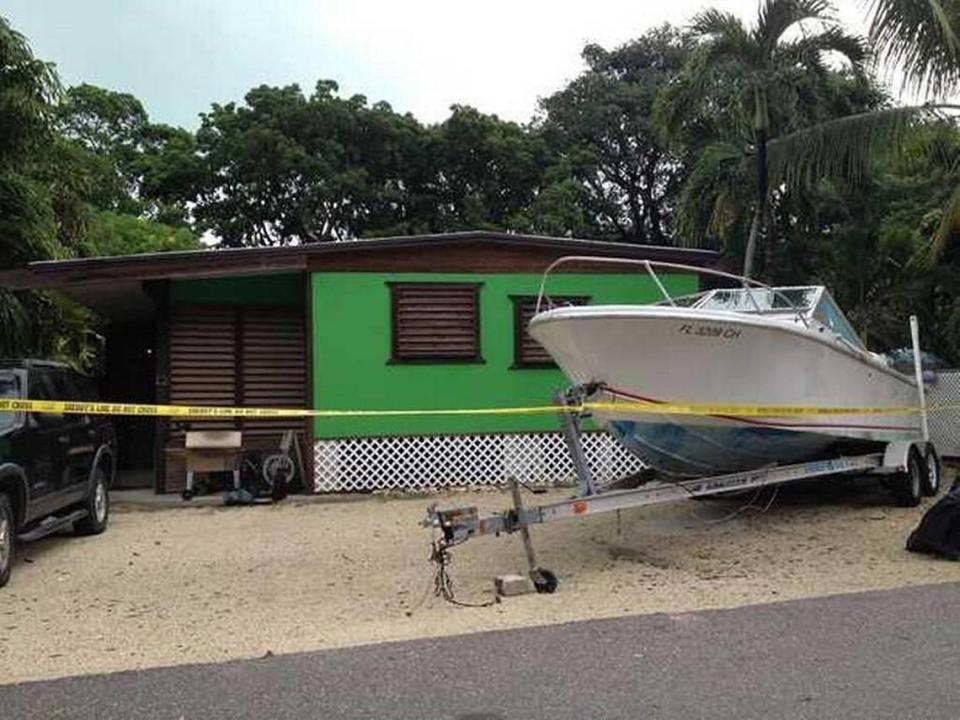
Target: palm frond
{"type": "Point", "coordinates": [919, 37]}
{"type": "Point", "coordinates": [843, 147]}
{"type": "Point", "coordinates": [948, 228]}
{"type": "Point", "coordinates": [716, 22]}
{"type": "Point", "coordinates": [809, 50]}
{"type": "Point", "coordinates": [728, 37]}
{"type": "Point", "coordinates": [935, 147]}
{"type": "Point", "coordinates": [717, 189]}
{"type": "Point", "coordinates": [778, 16]}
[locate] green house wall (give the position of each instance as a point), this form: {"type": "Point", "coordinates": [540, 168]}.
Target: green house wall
{"type": "Point", "coordinates": [351, 349]}
{"type": "Point", "coordinates": [250, 290]}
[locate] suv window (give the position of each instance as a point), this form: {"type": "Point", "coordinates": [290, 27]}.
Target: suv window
{"type": "Point", "coordinates": [9, 388]}
{"type": "Point", "coordinates": [43, 387]}
{"type": "Point", "coordinates": [66, 386]}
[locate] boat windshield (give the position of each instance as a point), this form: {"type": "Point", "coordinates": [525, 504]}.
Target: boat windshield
{"type": "Point", "coordinates": [828, 313]}
{"type": "Point", "coordinates": [9, 389]}
{"type": "Point", "coordinates": [812, 303]}
{"type": "Point", "coordinates": [764, 300]}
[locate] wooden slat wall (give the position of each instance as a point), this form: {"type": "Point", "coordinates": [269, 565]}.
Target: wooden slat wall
{"type": "Point", "coordinates": [235, 356]}
{"type": "Point", "coordinates": [529, 351]}
{"type": "Point", "coordinates": [435, 321]}
{"type": "Point", "coordinates": [203, 363]}
{"type": "Point", "coordinates": [274, 368]}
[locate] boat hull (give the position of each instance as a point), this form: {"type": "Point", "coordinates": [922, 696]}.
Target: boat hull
{"type": "Point", "coordinates": [662, 355]}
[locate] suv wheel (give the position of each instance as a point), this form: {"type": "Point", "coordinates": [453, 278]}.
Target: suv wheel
{"type": "Point", "coordinates": [7, 536]}
{"type": "Point", "coordinates": [97, 506]}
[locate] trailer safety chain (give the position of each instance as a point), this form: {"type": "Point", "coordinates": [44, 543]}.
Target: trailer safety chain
{"type": "Point", "coordinates": [443, 581]}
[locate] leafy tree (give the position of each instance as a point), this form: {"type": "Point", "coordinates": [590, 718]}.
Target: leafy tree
{"type": "Point", "coordinates": [602, 130]}
{"type": "Point", "coordinates": [111, 233]}
{"type": "Point", "coordinates": [169, 172]}
{"type": "Point", "coordinates": [868, 248]}
{"type": "Point", "coordinates": [717, 201]}
{"type": "Point", "coordinates": [124, 162]}
{"type": "Point", "coordinates": [286, 168]}
{"type": "Point", "coordinates": [482, 171]}
{"type": "Point", "coordinates": [104, 121]}
{"type": "Point", "coordinates": [920, 41]}
{"type": "Point", "coordinates": [30, 88]}
{"type": "Point", "coordinates": [769, 65]}
{"type": "Point", "coordinates": [28, 91]}
{"type": "Point", "coordinates": [69, 166]}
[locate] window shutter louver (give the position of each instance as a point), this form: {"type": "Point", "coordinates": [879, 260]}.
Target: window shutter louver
{"type": "Point", "coordinates": [528, 352]}
{"type": "Point", "coordinates": [435, 322]}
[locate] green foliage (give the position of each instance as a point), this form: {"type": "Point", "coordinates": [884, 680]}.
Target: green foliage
{"type": "Point", "coordinates": [601, 129]}
{"type": "Point", "coordinates": [287, 168]}
{"type": "Point", "coordinates": [920, 39]}
{"type": "Point", "coordinates": [28, 90]}
{"type": "Point", "coordinates": [773, 75]}
{"type": "Point", "coordinates": [701, 137]}
{"type": "Point", "coordinates": [78, 175]}
{"type": "Point", "coordinates": [482, 171]}
{"type": "Point", "coordinates": [110, 233]}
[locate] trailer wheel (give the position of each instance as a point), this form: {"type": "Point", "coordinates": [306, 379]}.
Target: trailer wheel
{"type": "Point", "coordinates": [908, 486]}
{"type": "Point", "coordinates": [545, 581]}
{"type": "Point", "coordinates": [931, 476]}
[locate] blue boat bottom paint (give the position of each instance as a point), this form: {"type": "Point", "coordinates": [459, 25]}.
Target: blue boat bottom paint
{"type": "Point", "coordinates": [696, 450]}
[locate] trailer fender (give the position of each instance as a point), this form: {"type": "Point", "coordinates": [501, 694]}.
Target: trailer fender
{"type": "Point", "coordinates": [896, 454]}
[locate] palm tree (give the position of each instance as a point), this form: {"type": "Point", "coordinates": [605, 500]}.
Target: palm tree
{"type": "Point", "coordinates": [28, 89]}
{"type": "Point", "coordinates": [790, 37]}
{"type": "Point", "coordinates": [919, 40]}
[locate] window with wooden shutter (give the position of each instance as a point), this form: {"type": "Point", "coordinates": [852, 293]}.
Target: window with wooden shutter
{"type": "Point", "coordinates": [435, 322]}
{"type": "Point", "coordinates": [527, 352]}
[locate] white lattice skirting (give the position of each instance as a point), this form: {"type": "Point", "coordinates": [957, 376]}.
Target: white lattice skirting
{"type": "Point", "coordinates": [945, 424]}
{"type": "Point", "coordinates": [439, 461]}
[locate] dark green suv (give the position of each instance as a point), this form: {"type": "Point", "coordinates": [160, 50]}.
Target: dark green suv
{"type": "Point", "coordinates": [55, 470]}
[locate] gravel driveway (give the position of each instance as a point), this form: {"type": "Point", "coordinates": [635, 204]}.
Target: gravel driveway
{"type": "Point", "coordinates": [207, 584]}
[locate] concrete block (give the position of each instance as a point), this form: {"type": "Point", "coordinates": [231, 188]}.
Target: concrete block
{"type": "Point", "coordinates": [510, 585]}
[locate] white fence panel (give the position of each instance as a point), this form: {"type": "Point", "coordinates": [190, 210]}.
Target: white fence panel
{"type": "Point", "coordinates": [943, 399]}
{"type": "Point", "coordinates": [438, 461]}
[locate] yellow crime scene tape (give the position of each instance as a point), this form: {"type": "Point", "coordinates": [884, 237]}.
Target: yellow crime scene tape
{"type": "Point", "coordinates": [665, 408]}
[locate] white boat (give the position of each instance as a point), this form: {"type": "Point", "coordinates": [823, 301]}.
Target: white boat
{"type": "Point", "coordinates": [751, 345]}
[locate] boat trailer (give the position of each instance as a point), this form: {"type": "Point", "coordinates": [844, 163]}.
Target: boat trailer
{"type": "Point", "coordinates": [911, 468]}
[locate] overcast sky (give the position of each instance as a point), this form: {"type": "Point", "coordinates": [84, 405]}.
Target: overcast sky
{"type": "Point", "coordinates": [421, 56]}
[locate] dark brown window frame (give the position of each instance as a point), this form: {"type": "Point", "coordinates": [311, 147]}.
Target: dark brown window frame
{"type": "Point", "coordinates": [519, 328]}
{"type": "Point", "coordinates": [394, 359]}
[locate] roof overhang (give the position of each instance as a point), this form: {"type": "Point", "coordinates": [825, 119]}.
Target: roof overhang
{"type": "Point", "coordinates": [115, 286]}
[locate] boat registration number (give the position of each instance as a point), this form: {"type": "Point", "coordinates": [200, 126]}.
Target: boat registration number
{"type": "Point", "coordinates": [712, 331]}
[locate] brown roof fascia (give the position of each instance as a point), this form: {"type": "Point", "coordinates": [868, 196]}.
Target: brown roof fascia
{"type": "Point", "coordinates": [234, 261]}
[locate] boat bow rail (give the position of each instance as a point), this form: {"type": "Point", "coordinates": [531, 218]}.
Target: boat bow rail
{"type": "Point", "coordinates": [747, 284]}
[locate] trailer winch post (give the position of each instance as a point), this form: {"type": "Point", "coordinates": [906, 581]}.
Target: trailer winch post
{"type": "Point", "coordinates": [918, 372]}
{"type": "Point", "coordinates": [570, 425]}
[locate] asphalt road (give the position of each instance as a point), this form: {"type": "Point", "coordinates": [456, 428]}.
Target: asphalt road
{"type": "Point", "coordinates": [875, 655]}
